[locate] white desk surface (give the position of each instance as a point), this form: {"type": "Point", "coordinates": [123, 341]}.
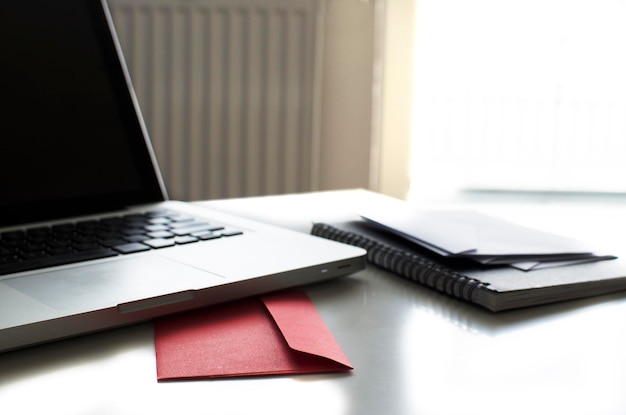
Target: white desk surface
{"type": "Point", "coordinates": [414, 351]}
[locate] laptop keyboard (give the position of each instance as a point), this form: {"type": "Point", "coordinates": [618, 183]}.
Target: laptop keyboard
{"type": "Point", "coordinates": [34, 248]}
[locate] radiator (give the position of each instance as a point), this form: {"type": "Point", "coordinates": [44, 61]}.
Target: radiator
{"type": "Point", "coordinates": [228, 91]}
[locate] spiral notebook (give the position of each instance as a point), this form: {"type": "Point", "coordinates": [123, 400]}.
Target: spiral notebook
{"type": "Point", "coordinates": [495, 287]}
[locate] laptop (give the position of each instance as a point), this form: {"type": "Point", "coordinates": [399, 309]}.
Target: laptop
{"type": "Point", "coordinates": [88, 238]}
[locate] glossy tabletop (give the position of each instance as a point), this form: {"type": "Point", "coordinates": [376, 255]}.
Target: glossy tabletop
{"type": "Point", "coordinates": [414, 351]}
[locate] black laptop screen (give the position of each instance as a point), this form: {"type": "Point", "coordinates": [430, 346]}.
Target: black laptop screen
{"type": "Point", "coordinates": [70, 139]}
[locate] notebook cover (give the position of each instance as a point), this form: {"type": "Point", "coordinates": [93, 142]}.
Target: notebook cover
{"type": "Point", "coordinates": [274, 334]}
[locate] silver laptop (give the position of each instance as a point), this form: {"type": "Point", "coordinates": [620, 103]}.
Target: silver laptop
{"type": "Point", "coordinates": [88, 239]}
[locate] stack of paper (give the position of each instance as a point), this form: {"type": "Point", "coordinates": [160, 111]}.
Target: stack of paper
{"type": "Point", "coordinates": [482, 238]}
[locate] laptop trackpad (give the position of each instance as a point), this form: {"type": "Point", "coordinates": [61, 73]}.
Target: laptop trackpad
{"type": "Point", "coordinates": [97, 286]}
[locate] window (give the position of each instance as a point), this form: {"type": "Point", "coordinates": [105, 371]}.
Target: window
{"type": "Point", "coordinates": [519, 95]}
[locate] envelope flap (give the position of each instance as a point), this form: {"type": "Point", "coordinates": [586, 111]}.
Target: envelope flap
{"type": "Point", "coordinates": [302, 327]}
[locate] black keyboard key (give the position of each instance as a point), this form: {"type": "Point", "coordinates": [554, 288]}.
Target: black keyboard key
{"type": "Point", "coordinates": [7, 251]}
{"type": "Point", "coordinates": [231, 232]}
{"type": "Point", "coordinates": [160, 234]}
{"type": "Point", "coordinates": [136, 220]}
{"type": "Point", "coordinates": [27, 256]}
{"type": "Point", "coordinates": [131, 248]}
{"type": "Point", "coordinates": [85, 246]}
{"type": "Point", "coordinates": [84, 239]}
{"type": "Point", "coordinates": [8, 259]}
{"type": "Point", "coordinates": [13, 235]}
{"type": "Point", "coordinates": [59, 243]}
{"type": "Point", "coordinates": [160, 242]}
{"type": "Point", "coordinates": [60, 250]}
{"type": "Point", "coordinates": [88, 225]}
{"type": "Point", "coordinates": [136, 238]}
{"type": "Point", "coordinates": [198, 227]}
{"type": "Point", "coordinates": [56, 260]}
{"type": "Point", "coordinates": [112, 242]}
{"type": "Point", "coordinates": [64, 228]}
{"type": "Point", "coordinates": [157, 213]}
{"type": "Point", "coordinates": [181, 240]}
{"type": "Point", "coordinates": [32, 247]}
{"type": "Point", "coordinates": [132, 231]}
{"type": "Point", "coordinates": [160, 220]}
{"type": "Point", "coordinates": [156, 228]}
{"type": "Point", "coordinates": [175, 225]}
{"type": "Point", "coordinates": [181, 218]}
{"type": "Point", "coordinates": [112, 221]}
{"type": "Point", "coordinates": [206, 236]}
{"type": "Point", "coordinates": [109, 235]}
{"type": "Point", "coordinates": [40, 232]}
{"type": "Point", "coordinates": [7, 244]}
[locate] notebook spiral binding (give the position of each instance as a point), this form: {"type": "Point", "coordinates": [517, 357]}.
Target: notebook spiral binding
{"type": "Point", "coordinates": [405, 264]}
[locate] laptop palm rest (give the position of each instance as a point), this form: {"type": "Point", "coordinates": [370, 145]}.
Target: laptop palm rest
{"type": "Point", "coordinates": [107, 284]}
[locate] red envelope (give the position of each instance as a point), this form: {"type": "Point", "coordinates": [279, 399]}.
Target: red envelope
{"type": "Point", "coordinates": [270, 335]}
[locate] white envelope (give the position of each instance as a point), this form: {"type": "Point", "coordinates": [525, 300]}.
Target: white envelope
{"type": "Point", "coordinates": [483, 238]}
